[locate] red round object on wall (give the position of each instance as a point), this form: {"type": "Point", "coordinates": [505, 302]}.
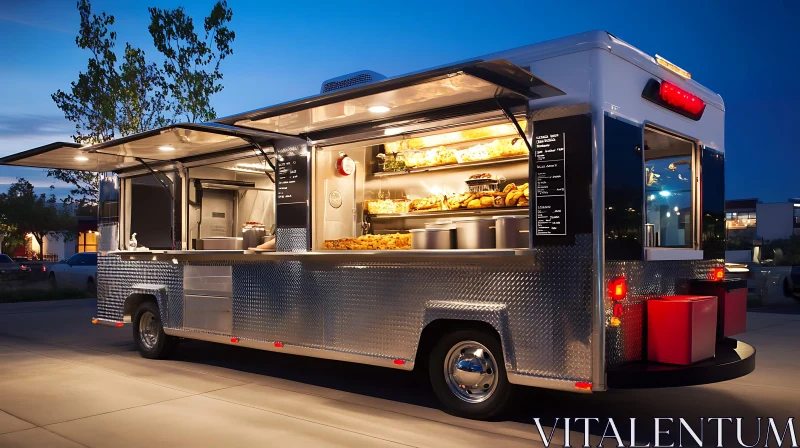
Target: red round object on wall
{"type": "Point", "coordinates": [345, 165]}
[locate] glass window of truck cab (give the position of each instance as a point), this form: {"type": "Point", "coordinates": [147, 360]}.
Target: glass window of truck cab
{"type": "Point", "coordinates": [670, 189]}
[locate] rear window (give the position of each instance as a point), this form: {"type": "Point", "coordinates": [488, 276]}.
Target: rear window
{"type": "Point", "coordinates": [5, 259]}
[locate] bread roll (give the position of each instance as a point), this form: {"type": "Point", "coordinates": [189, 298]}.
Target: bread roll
{"type": "Point", "coordinates": [475, 203]}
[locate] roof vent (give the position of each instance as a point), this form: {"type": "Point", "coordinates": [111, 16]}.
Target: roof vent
{"type": "Point", "coordinates": [350, 80]}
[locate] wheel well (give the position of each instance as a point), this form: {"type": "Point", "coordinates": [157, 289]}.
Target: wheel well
{"type": "Point", "coordinates": [134, 301]}
{"type": "Point", "coordinates": [437, 328]}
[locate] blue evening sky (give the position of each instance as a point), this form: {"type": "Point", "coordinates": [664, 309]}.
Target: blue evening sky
{"type": "Point", "coordinates": [745, 51]}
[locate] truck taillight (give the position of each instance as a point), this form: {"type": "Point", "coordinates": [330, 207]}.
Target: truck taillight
{"type": "Point", "coordinates": [718, 274]}
{"type": "Point", "coordinates": [617, 288]}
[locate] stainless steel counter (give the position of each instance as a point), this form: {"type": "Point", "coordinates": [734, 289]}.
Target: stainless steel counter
{"type": "Point", "coordinates": [398, 255]}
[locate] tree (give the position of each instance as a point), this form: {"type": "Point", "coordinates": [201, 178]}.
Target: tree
{"type": "Point", "coordinates": [191, 64]}
{"type": "Point", "coordinates": [12, 239]}
{"type": "Point", "coordinates": [38, 214]}
{"type": "Point", "coordinates": [112, 99]}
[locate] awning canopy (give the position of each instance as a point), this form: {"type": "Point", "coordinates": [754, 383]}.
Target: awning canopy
{"type": "Point", "coordinates": [69, 156]}
{"type": "Point", "coordinates": [404, 96]}
{"type": "Point", "coordinates": [171, 143]}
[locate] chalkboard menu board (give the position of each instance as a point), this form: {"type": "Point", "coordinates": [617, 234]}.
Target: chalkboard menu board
{"type": "Point", "coordinates": [292, 179]}
{"type": "Point", "coordinates": [561, 180]}
{"type": "Point", "coordinates": [551, 192]}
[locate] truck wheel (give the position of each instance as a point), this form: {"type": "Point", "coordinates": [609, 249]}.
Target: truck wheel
{"type": "Point", "coordinates": [148, 333]}
{"type": "Point", "coordinates": [468, 375]}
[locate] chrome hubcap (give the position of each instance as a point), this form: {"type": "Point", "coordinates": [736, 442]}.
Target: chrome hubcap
{"type": "Point", "coordinates": [471, 371]}
{"type": "Point", "coordinates": [148, 331]}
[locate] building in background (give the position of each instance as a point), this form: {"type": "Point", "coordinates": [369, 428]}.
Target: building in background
{"type": "Point", "coordinates": [751, 223]}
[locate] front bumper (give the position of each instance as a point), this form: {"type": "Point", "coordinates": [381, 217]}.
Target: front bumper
{"type": "Point", "coordinates": [733, 359]}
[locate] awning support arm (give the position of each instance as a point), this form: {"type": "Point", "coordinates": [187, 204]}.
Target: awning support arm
{"type": "Point", "coordinates": [513, 120]}
{"type": "Point", "coordinates": [269, 162]}
{"type": "Point", "coordinates": [169, 190]}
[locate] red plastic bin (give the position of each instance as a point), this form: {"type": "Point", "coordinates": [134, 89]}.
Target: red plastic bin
{"type": "Point", "coordinates": [681, 329]}
{"type": "Point", "coordinates": [731, 304]}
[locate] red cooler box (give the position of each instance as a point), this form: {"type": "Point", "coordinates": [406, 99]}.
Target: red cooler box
{"type": "Point", "coordinates": [681, 329]}
{"type": "Point", "coordinates": [731, 303]}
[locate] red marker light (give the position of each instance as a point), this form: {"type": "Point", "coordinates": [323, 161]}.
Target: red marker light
{"type": "Point", "coordinates": [120, 324]}
{"type": "Point", "coordinates": [718, 274]}
{"type": "Point", "coordinates": [617, 288]}
{"type": "Point", "coordinates": [677, 97]}
{"type": "Point", "coordinates": [234, 340]}
{"type": "Point", "coordinates": [278, 344]}
{"type": "Point", "coordinates": [95, 321]}
{"type": "Point", "coordinates": [583, 385]}
{"type": "Point", "coordinates": [399, 362]}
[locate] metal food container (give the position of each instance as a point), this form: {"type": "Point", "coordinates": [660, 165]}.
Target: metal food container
{"type": "Point", "coordinates": [512, 232]}
{"type": "Point", "coordinates": [475, 233]}
{"type": "Point", "coordinates": [253, 234]}
{"type": "Point", "coordinates": [431, 238]}
{"type": "Point", "coordinates": [222, 243]}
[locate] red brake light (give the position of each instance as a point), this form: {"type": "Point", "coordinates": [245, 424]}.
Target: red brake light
{"type": "Point", "coordinates": [234, 340]}
{"type": "Point", "coordinates": [399, 362]}
{"type": "Point", "coordinates": [44, 268]}
{"type": "Point", "coordinates": [617, 288]}
{"type": "Point", "coordinates": [677, 97]}
{"type": "Point", "coordinates": [22, 267]}
{"type": "Point", "coordinates": [718, 274]}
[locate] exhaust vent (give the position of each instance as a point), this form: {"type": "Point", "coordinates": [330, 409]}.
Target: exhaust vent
{"type": "Point", "coordinates": [350, 80]}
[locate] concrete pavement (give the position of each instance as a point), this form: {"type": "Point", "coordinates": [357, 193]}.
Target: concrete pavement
{"type": "Point", "coordinates": [64, 382]}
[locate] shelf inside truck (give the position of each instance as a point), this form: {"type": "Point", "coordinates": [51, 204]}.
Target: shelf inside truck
{"type": "Point", "coordinates": [423, 169]}
{"type": "Point", "coordinates": [491, 211]}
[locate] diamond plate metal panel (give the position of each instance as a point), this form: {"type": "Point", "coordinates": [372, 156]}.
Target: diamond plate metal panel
{"type": "Point", "coordinates": [541, 304]}
{"type": "Point", "coordinates": [646, 280]}
{"type": "Point", "coordinates": [277, 301]}
{"type": "Point", "coordinates": [291, 239]}
{"type": "Point", "coordinates": [117, 279]}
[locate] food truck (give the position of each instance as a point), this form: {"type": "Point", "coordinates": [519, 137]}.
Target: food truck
{"type": "Point", "coordinates": [548, 216]}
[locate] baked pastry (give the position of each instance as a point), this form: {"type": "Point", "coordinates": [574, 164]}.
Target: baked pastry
{"type": "Point", "coordinates": [509, 187]}
{"type": "Point", "coordinates": [523, 202]}
{"type": "Point", "coordinates": [452, 202]}
{"type": "Point", "coordinates": [500, 200]}
{"type": "Point", "coordinates": [513, 198]}
{"type": "Point", "coordinates": [395, 241]}
{"type": "Point", "coordinates": [487, 201]}
{"type": "Point", "coordinates": [475, 203]}
{"type": "Point", "coordinates": [481, 176]}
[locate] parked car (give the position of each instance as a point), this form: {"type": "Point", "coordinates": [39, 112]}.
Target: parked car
{"type": "Point", "coordinates": [741, 271]}
{"type": "Point", "coordinates": [21, 268]}
{"type": "Point", "coordinates": [80, 271]}
{"type": "Point", "coordinates": [791, 284]}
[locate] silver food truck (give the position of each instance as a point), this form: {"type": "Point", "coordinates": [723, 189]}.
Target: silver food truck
{"type": "Point", "coordinates": [498, 222]}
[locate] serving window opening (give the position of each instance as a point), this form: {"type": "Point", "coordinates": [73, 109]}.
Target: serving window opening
{"type": "Point", "coordinates": [453, 188]}
{"type": "Point", "coordinates": [231, 204]}
{"type": "Point", "coordinates": [670, 190]}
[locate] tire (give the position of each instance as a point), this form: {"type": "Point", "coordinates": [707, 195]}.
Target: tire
{"type": "Point", "coordinates": [470, 383]}
{"type": "Point", "coordinates": [91, 287]}
{"type": "Point", "coordinates": [148, 333]}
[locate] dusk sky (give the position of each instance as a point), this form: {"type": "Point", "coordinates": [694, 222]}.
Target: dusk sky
{"type": "Point", "coordinates": [745, 51]}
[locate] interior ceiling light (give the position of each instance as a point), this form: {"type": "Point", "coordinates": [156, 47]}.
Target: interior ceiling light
{"type": "Point", "coordinates": [82, 159]}
{"type": "Point", "coordinates": [377, 109]}
{"type": "Point", "coordinates": [166, 148]}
